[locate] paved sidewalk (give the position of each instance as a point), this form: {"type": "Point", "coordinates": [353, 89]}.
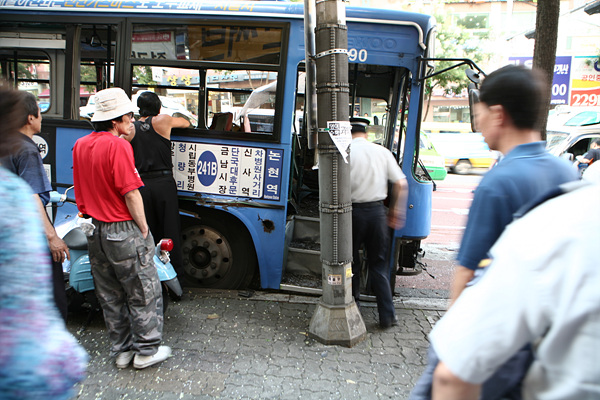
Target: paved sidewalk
{"type": "Point", "coordinates": [226, 346]}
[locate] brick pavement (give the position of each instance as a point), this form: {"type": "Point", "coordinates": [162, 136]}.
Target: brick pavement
{"type": "Point", "coordinates": [230, 347]}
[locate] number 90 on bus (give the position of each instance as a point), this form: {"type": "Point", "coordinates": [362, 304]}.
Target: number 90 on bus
{"type": "Point", "coordinates": [354, 55]}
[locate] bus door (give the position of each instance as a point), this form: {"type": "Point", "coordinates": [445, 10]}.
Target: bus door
{"type": "Point", "coordinates": [381, 94]}
{"type": "Point", "coordinates": [384, 72]}
{"type": "Point", "coordinates": [387, 96]}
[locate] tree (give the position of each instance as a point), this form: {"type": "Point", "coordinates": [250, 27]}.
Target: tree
{"type": "Point", "coordinates": [143, 75]}
{"type": "Point", "coordinates": [544, 51]}
{"type": "Point", "coordinates": [454, 40]}
{"type": "Point", "coordinates": [24, 70]}
{"type": "Point", "coordinates": [88, 77]}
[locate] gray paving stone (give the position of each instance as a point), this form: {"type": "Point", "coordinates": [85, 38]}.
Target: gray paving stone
{"type": "Point", "coordinates": [229, 347]}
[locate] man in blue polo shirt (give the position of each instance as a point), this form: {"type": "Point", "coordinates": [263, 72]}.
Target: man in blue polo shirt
{"type": "Point", "coordinates": [508, 117]}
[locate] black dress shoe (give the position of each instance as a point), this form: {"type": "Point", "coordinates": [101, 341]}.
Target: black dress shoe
{"type": "Point", "coordinates": [387, 325]}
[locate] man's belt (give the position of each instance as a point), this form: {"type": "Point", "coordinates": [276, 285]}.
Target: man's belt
{"type": "Point", "coordinates": [368, 204]}
{"type": "Point", "coordinates": [156, 174]}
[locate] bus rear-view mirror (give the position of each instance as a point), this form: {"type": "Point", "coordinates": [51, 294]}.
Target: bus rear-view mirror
{"type": "Point", "coordinates": [473, 99]}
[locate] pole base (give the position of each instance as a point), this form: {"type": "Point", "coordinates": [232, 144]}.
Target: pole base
{"type": "Point", "coordinates": [339, 325]}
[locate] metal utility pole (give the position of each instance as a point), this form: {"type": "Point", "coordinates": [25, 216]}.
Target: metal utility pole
{"type": "Point", "coordinates": [337, 319]}
{"type": "Point", "coordinates": [310, 88]}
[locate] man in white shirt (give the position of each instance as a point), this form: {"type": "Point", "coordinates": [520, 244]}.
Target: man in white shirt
{"type": "Point", "coordinates": [371, 168]}
{"type": "Point", "coordinates": [541, 288]}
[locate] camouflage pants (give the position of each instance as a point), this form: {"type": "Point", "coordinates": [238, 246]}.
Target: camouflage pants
{"type": "Point", "coordinates": [127, 286]}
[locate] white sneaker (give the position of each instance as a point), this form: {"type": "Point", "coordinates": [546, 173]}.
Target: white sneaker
{"type": "Point", "coordinates": [162, 354]}
{"type": "Point", "coordinates": [124, 359]}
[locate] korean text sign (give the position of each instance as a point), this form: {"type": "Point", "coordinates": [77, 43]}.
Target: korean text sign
{"type": "Point", "coordinates": [228, 170]}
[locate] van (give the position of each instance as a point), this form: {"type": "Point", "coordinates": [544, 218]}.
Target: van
{"type": "Point", "coordinates": [572, 142]}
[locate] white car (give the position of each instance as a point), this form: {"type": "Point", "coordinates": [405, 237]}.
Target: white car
{"type": "Point", "coordinates": [562, 117]}
{"type": "Point", "coordinates": [87, 111]}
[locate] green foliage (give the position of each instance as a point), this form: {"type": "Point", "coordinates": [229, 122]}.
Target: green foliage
{"type": "Point", "coordinates": [473, 22]}
{"type": "Point", "coordinates": [454, 40]}
{"type": "Point", "coordinates": [143, 75]}
{"type": "Point", "coordinates": [88, 74]}
{"type": "Point", "coordinates": [24, 70]}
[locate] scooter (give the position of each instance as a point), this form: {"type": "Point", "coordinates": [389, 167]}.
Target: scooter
{"type": "Point", "coordinates": [72, 228]}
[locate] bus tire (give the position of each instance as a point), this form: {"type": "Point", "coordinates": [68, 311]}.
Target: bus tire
{"type": "Point", "coordinates": [218, 252]}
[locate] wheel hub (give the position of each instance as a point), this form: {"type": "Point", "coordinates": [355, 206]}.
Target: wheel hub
{"type": "Point", "coordinates": [207, 255]}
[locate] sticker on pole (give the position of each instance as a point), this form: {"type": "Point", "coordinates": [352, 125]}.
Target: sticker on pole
{"type": "Point", "coordinates": [334, 279]}
{"type": "Point", "coordinates": [349, 273]}
{"type": "Point", "coordinates": [341, 135]}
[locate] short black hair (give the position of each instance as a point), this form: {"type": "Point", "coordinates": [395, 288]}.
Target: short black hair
{"type": "Point", "coordinates": [149, 104]}
{"type": "Point", "coordinates": [520, 91]}
{"type": "Point", "coordinates": [596, 141]}
{"type": "Point", "coordinates": [30, 107]}
{"type": "Point", "coordinates": [105, 126]}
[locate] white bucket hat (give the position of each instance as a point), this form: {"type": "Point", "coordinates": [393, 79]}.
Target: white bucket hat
{"type": "Point", "coordinates": [112, 103]}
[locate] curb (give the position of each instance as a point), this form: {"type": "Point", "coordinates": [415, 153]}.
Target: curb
{"type": "Point", "coordinates": [399, 302]}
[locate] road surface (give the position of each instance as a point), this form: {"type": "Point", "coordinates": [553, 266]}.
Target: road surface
{"type": "Point", "coordinates": [450, 208]}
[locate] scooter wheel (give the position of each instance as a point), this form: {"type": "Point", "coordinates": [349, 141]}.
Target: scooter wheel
{"type": "Point", "coordinates": [174, 297]}
{"type": "Point", "coordinates": [75, 300]}
{"type": "Point", "coordinates": [165, 295]}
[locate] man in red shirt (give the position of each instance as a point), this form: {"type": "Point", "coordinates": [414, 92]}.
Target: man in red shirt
{"type": "Point", "coordinates": [121, 246]}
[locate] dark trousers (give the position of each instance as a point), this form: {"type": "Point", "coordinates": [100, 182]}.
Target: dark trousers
{"type": "Point", "coordinates": [58, 288]}
{"type": "Point", "coordinates": [162, 213]}
{"type": "Point", "coordinates": [369, 228]}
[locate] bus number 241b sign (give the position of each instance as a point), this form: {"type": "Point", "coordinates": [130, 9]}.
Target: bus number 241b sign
{"type": "Point", "coordinates": [228, 170]}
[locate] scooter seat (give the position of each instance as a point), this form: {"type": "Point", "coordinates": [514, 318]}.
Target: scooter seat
{"type": "Point", "coordinates": [76, 240]}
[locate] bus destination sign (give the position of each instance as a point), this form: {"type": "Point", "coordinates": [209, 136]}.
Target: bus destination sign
{"type": "Point", "coordinates": [228, 170]}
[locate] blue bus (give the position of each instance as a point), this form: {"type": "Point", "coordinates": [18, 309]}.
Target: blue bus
{"type": "Point", "coordinates": [237, 70]}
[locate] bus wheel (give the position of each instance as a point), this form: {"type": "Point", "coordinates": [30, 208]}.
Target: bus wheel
{"type": "Point", "coordinates": [218, 253]}
{"type": "Point", "coordinates": [462, 167]}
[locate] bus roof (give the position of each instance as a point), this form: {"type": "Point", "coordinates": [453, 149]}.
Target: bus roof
{"type": "Point", "coordinates": [270, 9]}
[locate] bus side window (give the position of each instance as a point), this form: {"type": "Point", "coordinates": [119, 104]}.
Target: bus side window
{"type": "Point", "coordinates": [34, 77]}
{"type": "Point", "coordinates": [177, 88]}
{"type": "Point", "coordinates": [97, 64]}
{"type": "Point", "coordinates": [33, 73]}
{"type": "Point", "coordinates": [248, 95]}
